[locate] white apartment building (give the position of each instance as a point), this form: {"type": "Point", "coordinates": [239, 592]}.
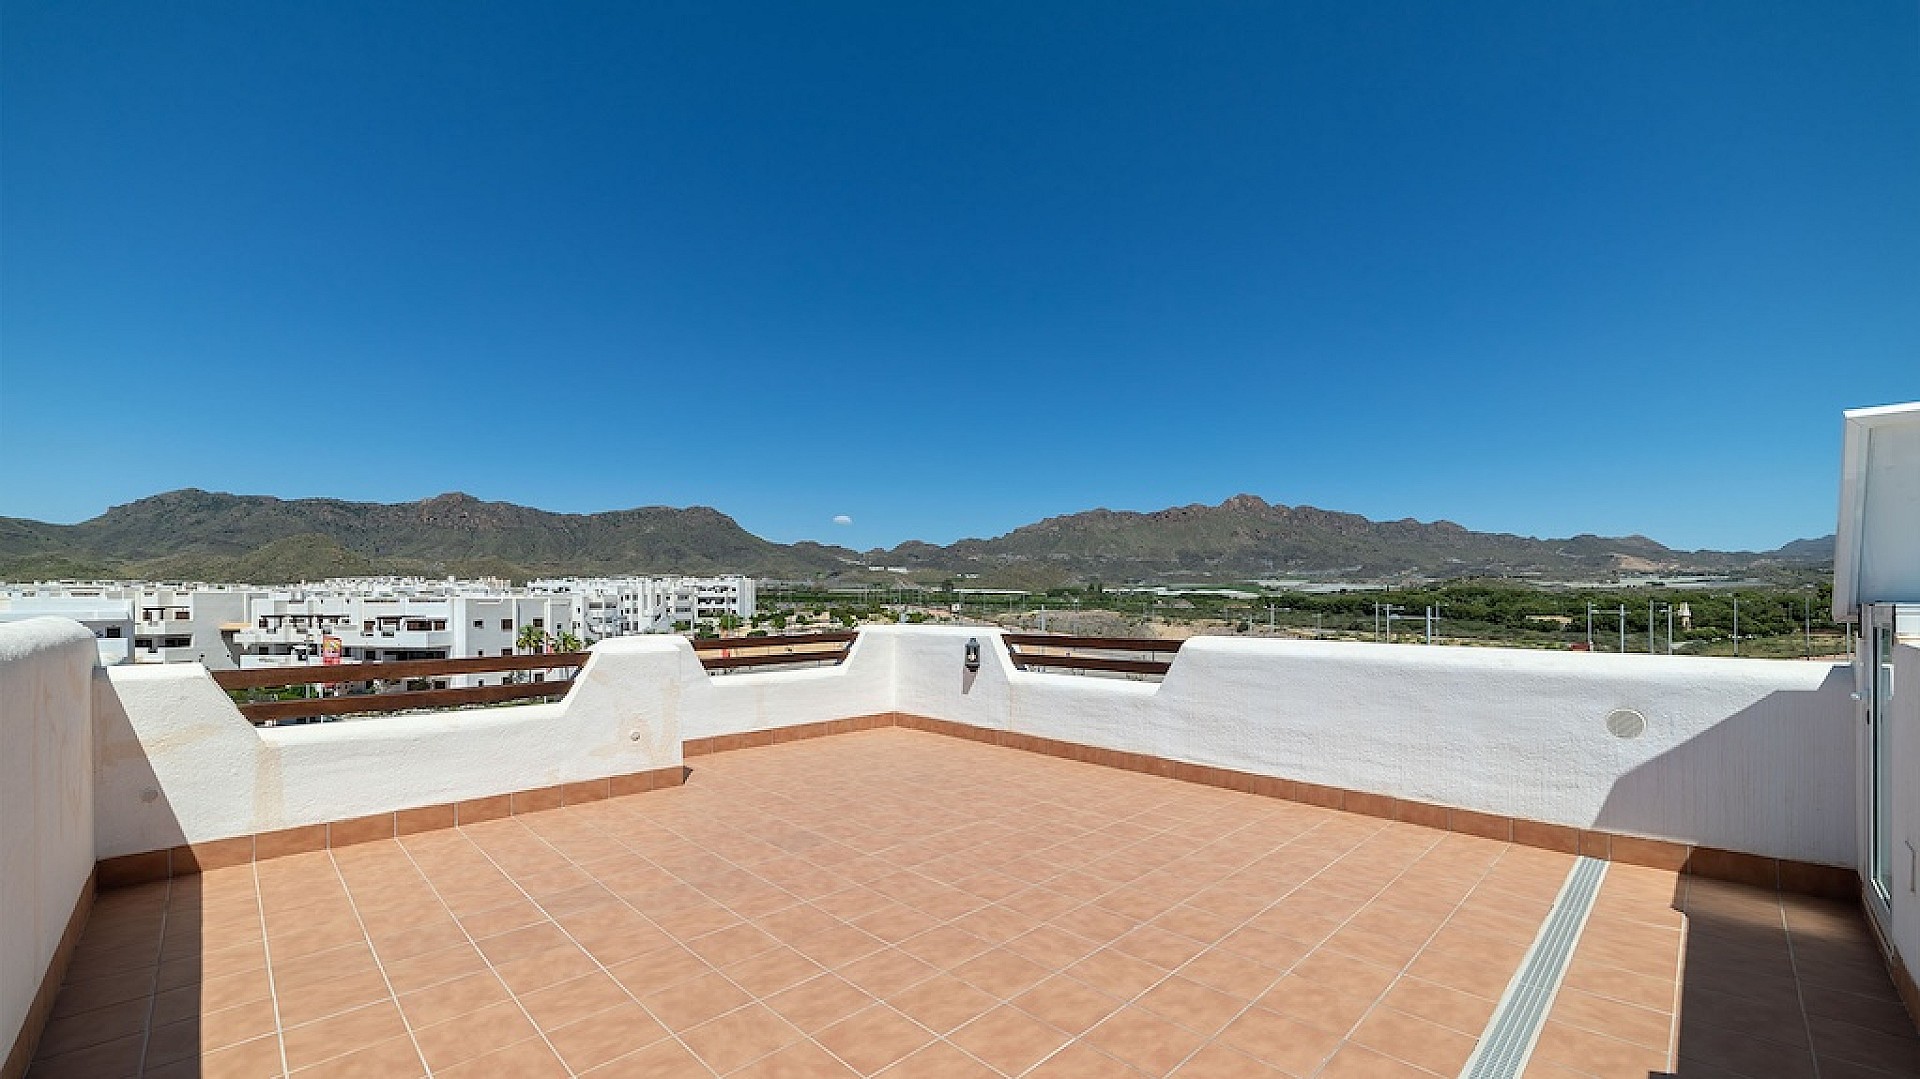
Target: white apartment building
{"type": "Point", "coordinates": [617, 606]}
{"type": "Point", "coordinates": [108, 617]}
{"type": "Point", "coordinates": [142, 623]}
{"type": "Point", "coordinates": [375, 619]}
{"type": "Point", "coordinates": [288, 628]}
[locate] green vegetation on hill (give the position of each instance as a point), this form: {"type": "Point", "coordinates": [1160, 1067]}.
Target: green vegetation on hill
{"type": "Point", "coordinates": [251, 538]}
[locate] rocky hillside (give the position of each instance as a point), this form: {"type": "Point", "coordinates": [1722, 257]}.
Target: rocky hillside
{"type": "Point", "coordinates": [193, 534]}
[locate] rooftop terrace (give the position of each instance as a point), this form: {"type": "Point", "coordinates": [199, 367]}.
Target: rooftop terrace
{"type": "Point", "coordinates": [893, 902]}
{"type": "Point", "coordinates": [930, 859]}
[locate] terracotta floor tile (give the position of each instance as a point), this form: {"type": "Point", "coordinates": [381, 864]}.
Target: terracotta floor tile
{"type": "Point", "coordinates": [1005, 974]}
{"type": "Point", "coordinates": [531, 1059]}
{"type": "Point", "coordinates": [606, 1036]}
{"type": "Point", "coordinates": [194, 1037]}
{"type": "Point", "coordinates": [688, 1004]}
{"type": "Point", "coordinates": [570, 1001]}
{"type": "Point", "coordinates": [1115, 974]}
{"type": "Point", "coordinates": [1414, 1040]}
{"type": "Point", "coordinates": [118, 1057]}
{"type": "Point", "coordinates": [939, 1061]}
{"type": "Point", "coordinates": [1597, 1053]}
{"type": "Point", "coordinates": [1359, 1062]}
{"type": "Point", "coordinates": [472, 1035]}
{"type": "Point", "coordinates": [739, 1038]}
{"type": "Point", "coordinates": [819, 1002]}
{"type": "Point", "coordinates": [1144, 1040]}
{"type": "Point", "coordinates": [1008, 1039]}
{"type": "Point", "coordinates": [1457, 1011]}
{"type": "Point", "coordinates": [1121, 917]}
{"type": "Point", "coordinates": [83, 1029]}
{"type": "Point", "coordinates": [395, 1058]}
{"type": "Point", "coordinates": [542, 969]}
{"type": "Point", "coordinates": [256, 1059]}
{"type": "Point", "coordinates": [772, 971]}
{"type": "Point", "coordinates": [801, 1060]}
{"type": "Point", "coordinates": [343, 1033]}
{"type": "Point", "coordinates": [662, 1060]}
{"type": "Point", "coordinates": [942, 1003]}
{"type": "Point", "coordinates": [1220, 1062]}
{"type": "Point", "coordinates": [432, 968]}
{"type": "Point", "coordinates": [873, 1039]}
{"type": "Point", "coordinates": [331, 997]}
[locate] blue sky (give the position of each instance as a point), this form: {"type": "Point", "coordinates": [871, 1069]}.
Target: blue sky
{"type": "Point", "coordinates": [947, 269]}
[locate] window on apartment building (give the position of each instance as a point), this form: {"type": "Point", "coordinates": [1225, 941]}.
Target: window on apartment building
{"type": "Point", "coordinates": [113, 633]}
{"type": "Point", "coordinates": [539, 623]}
{"type": "Point", "coordinates": [481, 653]}
{"type": "Point", "coordinates": [506, 623]}
{"type": "Point", "coordinates": [182, 615]}
{"type": "Point", "coordinates": [439, 623]}
{"type": "Point", "coordinates": [179, 642]}
{"type": "Point", "coordinates": [367, 626]}
{"type": "Point", "coordinates": [479, 623]}
{"type": "Point", "coordinates": [263, 622]}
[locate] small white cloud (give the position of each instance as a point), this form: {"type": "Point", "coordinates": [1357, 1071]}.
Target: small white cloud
{"type": "Point", "coordinates": [842, 519]}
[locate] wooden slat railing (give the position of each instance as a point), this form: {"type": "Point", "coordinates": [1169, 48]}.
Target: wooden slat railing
{"type": "Point", "coordinates": [335, 673]}
{"type": "Point", "coordinates": [396, 671]}
{"type": "Point", "coordinates": [752, 652]}
{"type": "Point", "coordinates": [1071, 655]}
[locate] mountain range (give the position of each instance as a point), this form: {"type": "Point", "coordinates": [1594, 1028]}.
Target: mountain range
{"type": "Point", "coordinates": [200, 535]}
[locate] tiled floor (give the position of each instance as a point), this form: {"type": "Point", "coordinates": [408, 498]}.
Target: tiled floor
{"type": "Point", "coordinates": [909, 905]}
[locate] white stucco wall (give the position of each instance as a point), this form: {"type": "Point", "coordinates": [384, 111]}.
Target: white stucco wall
{"type": "Point", "coordinates": [1904, 767]}
{"type": "Point", "coordinates": [738, 702]}
{"type": "Point", "coordinates": [1743, 754]}
{"type": "Point", "coordinates": [46, 800]}
{"type": "Point", "coordinates": [177, 763]}
{"type": "Point", "coordinates": [1748, 755]}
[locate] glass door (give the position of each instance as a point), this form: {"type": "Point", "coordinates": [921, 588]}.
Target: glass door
{"type": "Point", "coordinates": [1880, 795]}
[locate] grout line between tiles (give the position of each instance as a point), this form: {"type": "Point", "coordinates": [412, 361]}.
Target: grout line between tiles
{"type": "Point", "coordinates": [378, 963]}
{"type": "Point", "coordinates": [266, 950]}
{"type": "Point", "coordinates": [1379, 827]}
{"type": "Point", "coordinates": [153, 988]}
{"type": "Point", "coordinates": [1799, 991]}
{"type": "Point", "coordinates": [1685, 884]}
{"type": "Point", "coordinates": [475, 945]}
{"type": "Point", "coordinates": [753, 998]}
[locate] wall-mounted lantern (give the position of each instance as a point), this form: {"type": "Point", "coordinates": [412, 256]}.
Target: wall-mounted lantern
{"type": "Point", "coordinates": [973, 653]}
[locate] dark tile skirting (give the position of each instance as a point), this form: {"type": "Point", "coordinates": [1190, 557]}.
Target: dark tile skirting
{"type": "Point", "coordinates": [239, 850]}
{"type": "Point", "coordinates": [24, 1043]}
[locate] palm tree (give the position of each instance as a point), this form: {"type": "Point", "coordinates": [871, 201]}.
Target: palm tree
{"type": "Point", "coordinates": [531, 639]}
{"type": "Point", "coordinates": [567, 642]}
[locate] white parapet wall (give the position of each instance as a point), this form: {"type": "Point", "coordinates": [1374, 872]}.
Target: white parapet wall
{"type": "Point", "coordinates": [46, 801]}
{"type": "Point", "coordinates": [177, 763]}
{"type": "Point", "coordinates": [1746, 755]}
{"type": "Point", "coordinates": [743, 701]}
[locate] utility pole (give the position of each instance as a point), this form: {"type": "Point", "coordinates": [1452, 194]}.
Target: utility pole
{"type": "Point", "coordinates": [1807, 625]}
{"type": "Point", "coordinates": [1430, 613]}
{"type": "Point", "coordinates": [1623, 629]}
{"type": "Point", "coordinates": [1589, 626]}
{"type": "Point", "coordinates": [1736, 625]}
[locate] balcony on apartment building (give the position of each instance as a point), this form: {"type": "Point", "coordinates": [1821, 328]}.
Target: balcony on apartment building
{"type": "Point", "coordinates": [939, 851]}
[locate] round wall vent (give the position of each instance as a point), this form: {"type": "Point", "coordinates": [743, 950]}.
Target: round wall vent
{"type": "Point", "coordinates": [1626, 723]}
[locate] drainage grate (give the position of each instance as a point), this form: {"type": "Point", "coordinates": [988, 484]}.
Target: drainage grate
{"type": "Point", "coordinates": [1510, 1035]}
